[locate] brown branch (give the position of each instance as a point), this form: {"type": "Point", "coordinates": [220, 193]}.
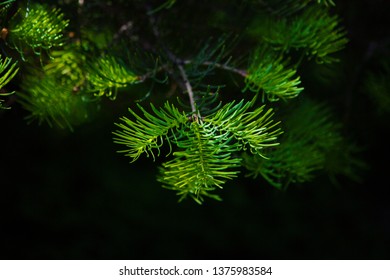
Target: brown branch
{"type": "Point", "coordinates": [188, 87]}
{"type": "Point", "coordinates": [240, 72]}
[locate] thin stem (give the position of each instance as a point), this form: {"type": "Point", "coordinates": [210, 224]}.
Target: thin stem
{"type": "Point", "coordinates": [188, 87]}
{"type": "Point", "coordinates": [240, 72]}
{"type": "Point", "coordinates": [175, 60]}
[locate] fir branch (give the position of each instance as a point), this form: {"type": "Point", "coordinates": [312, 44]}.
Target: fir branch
{"type": "Point", "coordinates": [284, 8]}
{"type": "Point", "coordinates": [311, 135]}
{"type": "Point", "coordinates": [254, 129]}
{"type": "Point", "coordinates": [68, 65]}
{"type": "Point", "coordinates": [210, 55]}
{"type": "Point", "coordinates": [206, 146]}
{"type": "Point", "coordinates": [4, 7]}
{"type": "Point", "coordinates": [108, 74]}
{"type": "Point", "coordinates": [223, 66]}
{"type": "Point", "coordinates": [41, 29]}
{"type": "Point", "coordinates": [7, 70]}
{"type": "Point", "coordinates": [204, 164]}
{"type": "Point", "coordinates": [268, 74]}
{"type": "Point", "coordinates": [145, 135]}
{"type": "Point", "coordinates": [166, 5]}
{"type": "Point", "coordinates": [52, 101]}
{"type": "Point", "coordinates": [326, 2]}
{"type": "Point", "coordinates": [287, 8]}
{"type": "Point", "coordinates": [314, 31]}
{"type": "Point", "coordinates": [188, 87]}
{"type": "Point", "coordinates": [6, 2]}
{"type": "Point", "coordinates": [7, 73]}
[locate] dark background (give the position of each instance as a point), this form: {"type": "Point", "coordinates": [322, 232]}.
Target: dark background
{"type": "Point", "coordinates": [71, 196]}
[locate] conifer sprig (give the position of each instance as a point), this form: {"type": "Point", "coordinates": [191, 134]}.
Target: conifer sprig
{"type": "Point", "coordinates": [8, 71]}
{"type": "Point", "coordinates": [311, 135]}
{"type": "Point", "coordinates": [205, 146]}
{"type": "Point", "coordinates": [204, 162]}
{"type": "Point", "coordinates": [270, 75]}
{"type": "Point", "coordinates": [40, 28]}
{"type": "Point", "coordinates": [108, 74]}
{"type": "Point", "coordinates": [51, 101]}
{"type": "Point", "coordinates": [286, 8]}
{"type": "Point", "coordinates": [68, 65]}
{"type": "Point", "coordinates": [253, 129]}
{"type": "Point", "coordinates": [144, 135]}
{"type": "Point", "coordinates": [4, 6]}
{"type": "Point", "coordinates": [314, 31]}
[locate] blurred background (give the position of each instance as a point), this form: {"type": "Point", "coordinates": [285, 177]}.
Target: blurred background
{"type": "Point", "coordinates": [71, 196]}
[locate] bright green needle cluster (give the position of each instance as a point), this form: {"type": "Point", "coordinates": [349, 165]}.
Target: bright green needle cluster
{"type": "Point", "coordinates": [144, 135]}
{"type": "Point", "coordinates": [326, 2]}
{"type": "Point", "coordinates": [68, 65]}
{"type": "Point", "coordinates": [108, 74]}
{"type": "Point", "coordinates": [40, 29]}
{"type": "Point", "coordinates": [204, 162]}
{"type": "Point", "coordinates": [254, 130]}
{"type": "Point", "coordinates": [4, 6]}
{"type": "Point", "coordinates": [268, 74]}
{"type": "Point", "coordinates": [51, 101]}
{"type": "Point", "coordinates": [207, 137]}
{"type": "Point", "coordinates": [314, 31]}
{"type": "Point", "coordinates": [311, 135]}
{"type": "Point", "coordinates": [8, 70]}
{"type": "Point", "coordinates": [205, 155]}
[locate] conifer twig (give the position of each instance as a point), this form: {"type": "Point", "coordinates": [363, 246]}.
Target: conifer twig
{"type": "Point", "coordinates": [240, 72]}
{"type": "Point", "coordinates": [188, 87]}
{"type": "Point", "coordinates": [174, 59]}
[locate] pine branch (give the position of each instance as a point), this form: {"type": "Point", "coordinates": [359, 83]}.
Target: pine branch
{"type": "Point", "coordinates": [108, 74]}
{"type": "Point", "coordinates": [40, 29]}
{"type": "Point", "coordinates": [188, 87]}
{"type": "Point", "coordinates": [254, 129]}
{"type": "Point", "coordinates": [145, 135]}
{"type": "Point", "coordinates": [52, 101]}
{"type": "Point", "coordinates": [4, 7]}
{"type": "Point", "coordinates": [314, 31]}
{"type": "Point", "coordinates": [268, 74]}
{"type": "Point", "coordinates": [204, 163]}
{"type": "Point", "coordinates": [311, 135]}
{"type": "Point", "coordinates": [7, 73]}
{"type": "Point", "coordinates": [205, 145]}
{"type": "Point", "coordinates": [68, 65]}
{"type": "Point", "coordinates": [287, 8]}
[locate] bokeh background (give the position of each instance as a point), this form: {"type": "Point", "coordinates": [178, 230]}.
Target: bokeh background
{"type": "Point", "coordinates": [71, 196]}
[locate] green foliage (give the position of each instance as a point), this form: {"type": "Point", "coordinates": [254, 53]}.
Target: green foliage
{"type": "Point", "coordinates": [377, 86]}
{"type": "Point", "coordinates": [7, 72]}
{"type": "Point", "coordinates": [4, 6]}
{"type": "Point", "coordinates": [286, 8]}
{"type": "Point", "coordinates": [314, 31]}
{"type": "Point", "coordinates": [48, 100]}
{"type": "Point", "coordinates": [206, 136]}
{"type": "Point", "coordinates": [254, 130]}
{"type": "Point", "coordinates": [144, 135]}
{"type": "Point", "coordinates": [108, 74]}
{"type": "Point", "coordinates": [269, 74]}
{"type": "Point", "coordinates": [39, 27]}
{"type": "Point", "coordinates": [206, 59]}
{"type": "Point", "coordinates": [68, 65]}
{"type": "Point", "coordinates": [204, 163]}
{"type": "Point", "coordinates": [326, 2]}
{"type": "Point", "coordinates": [311, 137]}
{"type": "Point", "coordinates": [206, 144]}
{"type": "Point", "coordinates": [166, 5]}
